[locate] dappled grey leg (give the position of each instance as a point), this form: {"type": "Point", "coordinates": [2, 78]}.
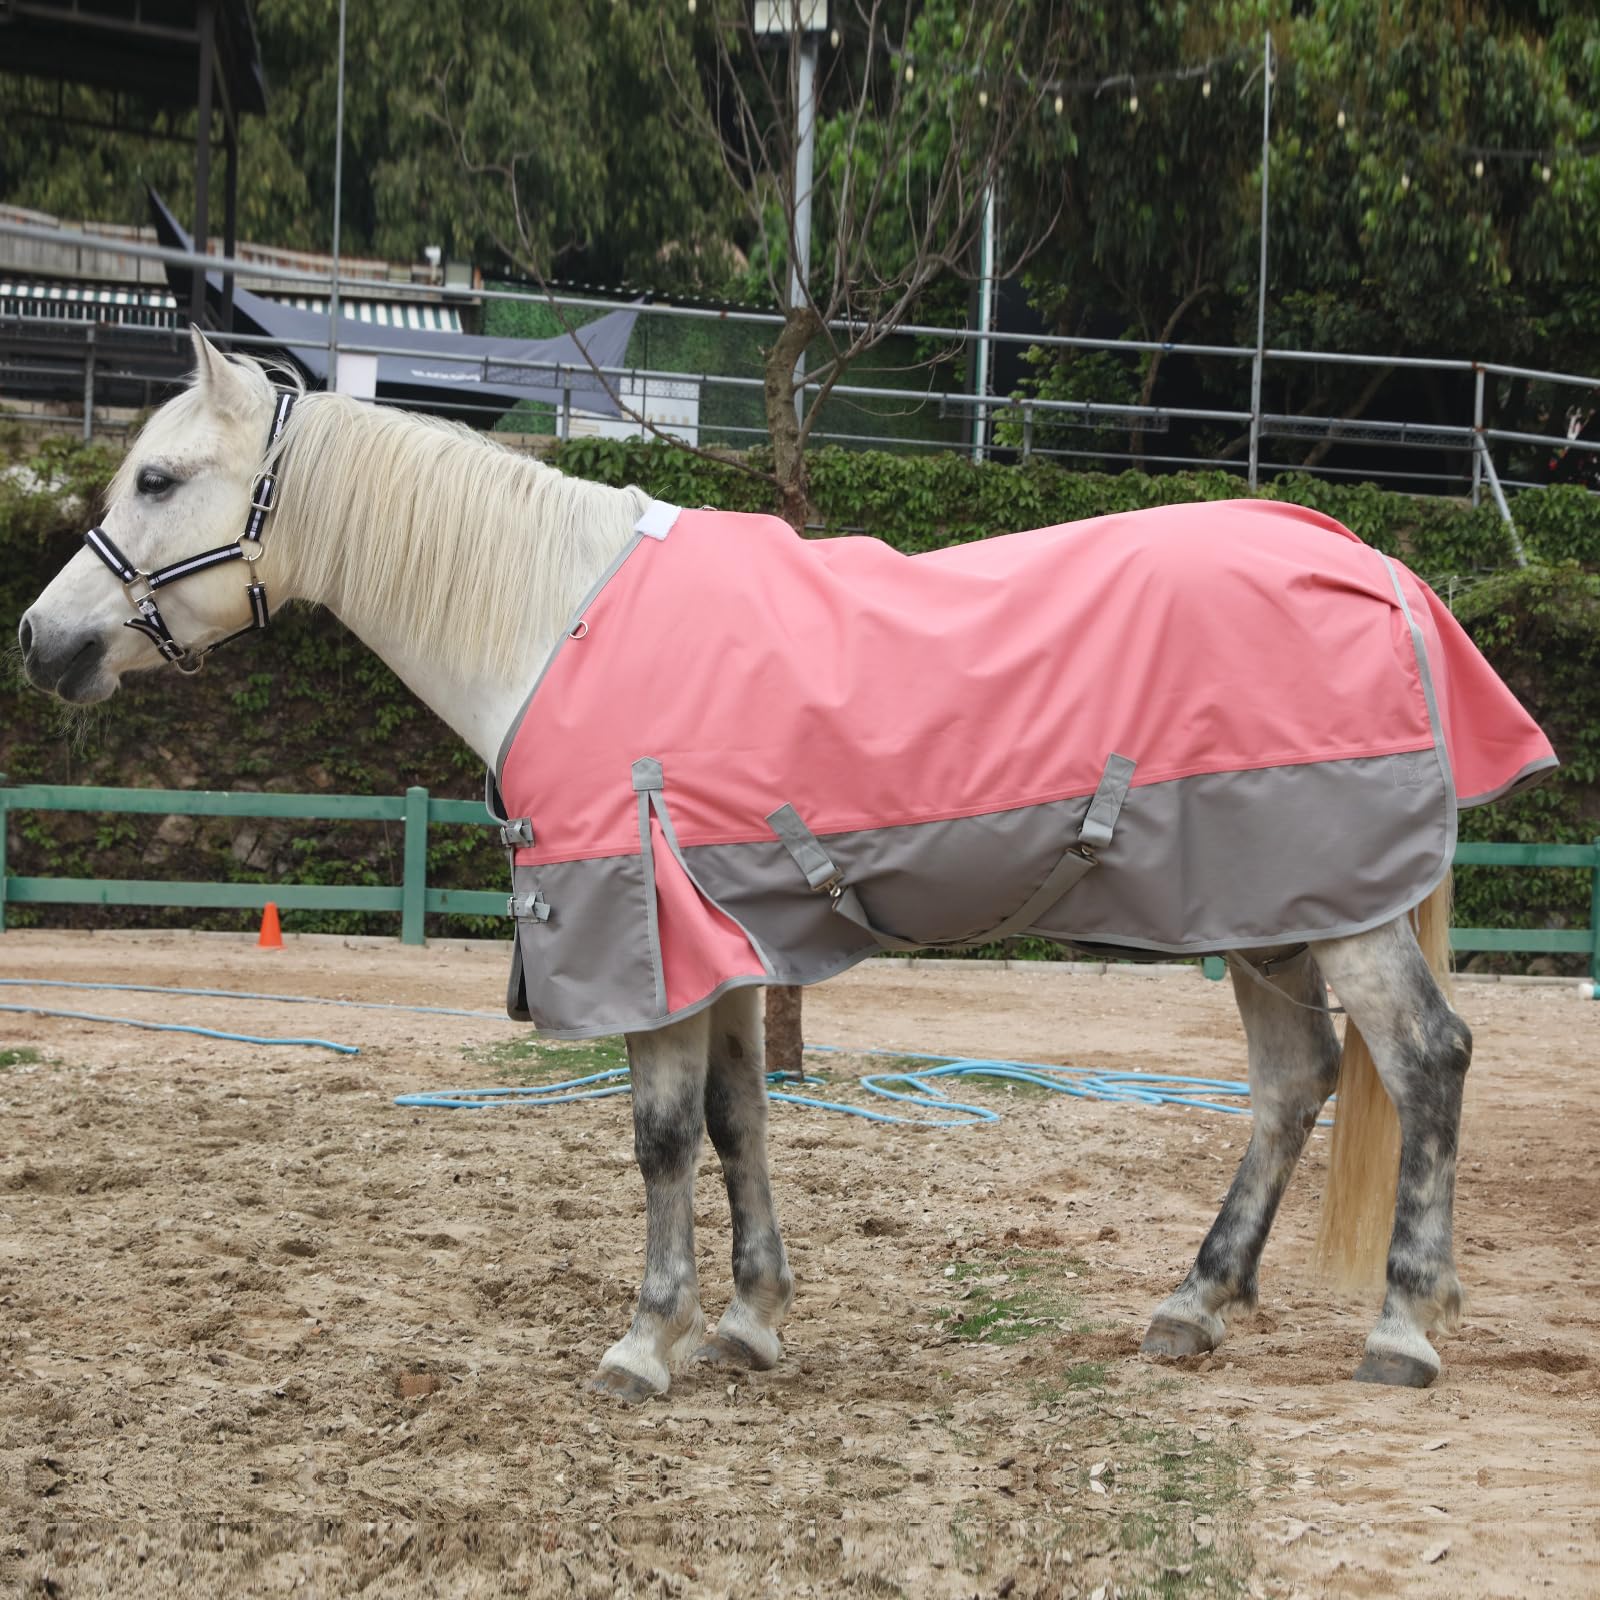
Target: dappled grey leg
{"type": "Point", "coordinates": [669, 1074]}
{"type": "Point", "coordinates": [1421, 1049]}
{"type": "Point", "coordinates": [1294, 1063]}
{"type": "Point", "coordinates": [736, 1115]}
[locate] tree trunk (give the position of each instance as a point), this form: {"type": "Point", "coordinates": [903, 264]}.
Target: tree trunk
{"type": "Point", "coordinates": [1369, 390]}
{"type": "Point", "coordinates": [1154, 368]}
{"type": "Point", "coordinates": [785, 1034]}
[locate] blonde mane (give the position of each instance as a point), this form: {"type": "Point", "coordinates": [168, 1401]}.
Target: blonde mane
{"type": "Point", "coordinates": [479, 554]}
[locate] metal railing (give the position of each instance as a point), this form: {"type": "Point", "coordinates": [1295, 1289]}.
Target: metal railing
{"type": "Point", "coordinates": [1471, 441]}
{"type": "Point", "coordinates": [412, 900]}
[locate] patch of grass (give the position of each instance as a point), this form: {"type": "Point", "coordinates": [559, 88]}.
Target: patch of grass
{"type": "Point", "coordinates": [549, 1060]}
{"type": "Point", "coordinates": [956, 1085]}
{"type": "Point", "coordinates": [1015, 1296]}
{"type": "Point", "coordinates": [1179, 1506]}
{"type": "Point", "coordinates": [23, 1057]}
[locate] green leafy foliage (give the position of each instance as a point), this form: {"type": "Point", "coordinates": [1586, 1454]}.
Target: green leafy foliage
{"type": "Point", "coordinates": [1540, 629]}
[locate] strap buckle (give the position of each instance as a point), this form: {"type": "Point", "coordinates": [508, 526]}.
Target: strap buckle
{"type": "Point", "coordinates": [533, 904]}
{"type": "Point", "coordinates": [264, 491]}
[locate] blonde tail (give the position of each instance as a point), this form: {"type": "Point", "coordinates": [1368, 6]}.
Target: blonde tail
{"type": "Point", "coordinates": [1364, 1162]}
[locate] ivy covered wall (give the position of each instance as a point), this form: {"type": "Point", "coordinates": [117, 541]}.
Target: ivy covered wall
{"type": "Point", "coordinates": [307, 707]}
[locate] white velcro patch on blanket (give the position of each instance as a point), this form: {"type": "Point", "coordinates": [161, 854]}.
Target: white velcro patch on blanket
{"type": "Point", "coordinates": [657, 520]}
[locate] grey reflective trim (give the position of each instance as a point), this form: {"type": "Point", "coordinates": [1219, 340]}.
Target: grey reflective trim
{"type": "Point", "coordinates": [1101, 817]}
{"type": "Point", "coordinates": [646, 774]}
{"type": "Point", "coordinates": [802, 844]}
{"type": "Point", "coordinates": [1440, 749]}
{"type": "Point", "coordinates": [492, 803]}
{"type": "Point", "coordinates": [1530, 775]}
{"type": "Point", "coordinates": [652, 914]}
{"type": "Point", "coordinates": [561, 643]}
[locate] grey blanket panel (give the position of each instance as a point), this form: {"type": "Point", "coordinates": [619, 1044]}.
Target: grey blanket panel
{"type": "Point", "coordinates": [577, 986]}
{"type": "Point", "coordinates": [1234, 860]}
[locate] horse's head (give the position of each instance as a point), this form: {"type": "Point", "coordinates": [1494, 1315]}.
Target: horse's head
{"type": "Point", "coordinates": [184, 488]}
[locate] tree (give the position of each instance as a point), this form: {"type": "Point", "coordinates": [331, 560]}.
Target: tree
{"type": "Point", "coordinates": [919, 109]}
{"type": "Point", "coordinates": [1383, 235]}
{"type": "Point", "coordinates": [612, 191]}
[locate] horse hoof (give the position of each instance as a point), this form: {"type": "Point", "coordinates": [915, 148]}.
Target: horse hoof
{"type": "Point", "coordinates": [1398, 1371]}
{"type": "Point", "coordinates": [1171, 1340]}
{"type": "Point", "coordinates": [722, 1350]}
{"type": "Point", "coordinates": [628, 1388]}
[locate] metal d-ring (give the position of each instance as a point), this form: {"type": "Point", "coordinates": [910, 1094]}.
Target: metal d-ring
{"type": "Point", "coordinates": [580, 629]}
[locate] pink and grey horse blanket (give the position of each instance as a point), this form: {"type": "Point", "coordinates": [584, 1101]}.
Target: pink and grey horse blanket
{"type": "Point", "coordinates": [757, 759]}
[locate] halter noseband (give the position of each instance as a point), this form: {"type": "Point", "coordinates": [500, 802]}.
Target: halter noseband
{"type": "Point", "coordinates": [247, 548]}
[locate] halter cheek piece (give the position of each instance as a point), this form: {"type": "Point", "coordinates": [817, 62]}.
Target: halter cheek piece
{"type": "Point", "coordinates": [247, 548]}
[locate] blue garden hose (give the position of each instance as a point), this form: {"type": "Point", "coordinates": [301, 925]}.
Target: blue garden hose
{"type": "Point", "coordinates": [921, 1088]}
{"type": "Point", "coordinates": [182, 1027]}
{"type": "Point", "coordinates": [246, 994]}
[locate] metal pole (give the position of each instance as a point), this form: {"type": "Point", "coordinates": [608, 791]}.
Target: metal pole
{"type": "Point", "coordinates": [1477, 431]}
{"type": "Point", "coordinates": [88, 383]}
{"type": "Point", "coordinates": [338, 187]}
{"type": "Point", "coordinates": [230, 219]}
{"type": "Point", "coordinates": [1261, 281]}
{"type": "Point", "coordinates": [980, 413]}
{"type": "Point", "coordinates": [804, 163]}
{"type": "Point", "coordinates": [1500, 500]}
{"type": "Point", "coordinates": [202, 157]}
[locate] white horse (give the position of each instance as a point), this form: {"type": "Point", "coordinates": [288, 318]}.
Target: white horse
{"type": "Point", "coordinates": [461, 565]}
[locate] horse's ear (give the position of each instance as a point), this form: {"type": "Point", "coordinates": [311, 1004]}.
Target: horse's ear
{"type": "Point", "coordinates": [222, 383]}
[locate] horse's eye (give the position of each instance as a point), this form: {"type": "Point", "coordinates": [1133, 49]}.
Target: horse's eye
{"type": "Point", "coordinates": [152, 481]}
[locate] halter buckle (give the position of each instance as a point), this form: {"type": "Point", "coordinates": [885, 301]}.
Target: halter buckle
{"type": "Point", "coordinates": [264, 491]}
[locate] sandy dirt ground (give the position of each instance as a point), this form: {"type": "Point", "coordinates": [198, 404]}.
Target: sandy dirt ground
{"type": "Point", "coordinates": [263, 1332]}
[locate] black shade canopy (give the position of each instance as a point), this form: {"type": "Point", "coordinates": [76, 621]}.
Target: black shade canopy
{"type": "Point", "coordinates": [435, 368]}
{"type": "Point", "coordinates": [147, 48]}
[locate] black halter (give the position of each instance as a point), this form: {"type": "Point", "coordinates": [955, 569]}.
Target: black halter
{"type": "Point", "coordinates": [247, 548]}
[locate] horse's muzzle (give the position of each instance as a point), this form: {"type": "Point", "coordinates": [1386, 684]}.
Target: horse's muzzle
{"type": "Point", "coordinates": [69, 666]}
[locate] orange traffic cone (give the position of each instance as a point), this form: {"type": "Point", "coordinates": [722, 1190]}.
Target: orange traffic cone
{"type": "Point", "coordinates": [271, 935]}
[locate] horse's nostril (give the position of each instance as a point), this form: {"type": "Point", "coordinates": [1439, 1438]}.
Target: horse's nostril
{"type": "Point", "coordinates": [25, 638]}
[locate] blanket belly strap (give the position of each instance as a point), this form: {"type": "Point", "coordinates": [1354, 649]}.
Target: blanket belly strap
{"type": "Point", "coordinates": [1094, 833]}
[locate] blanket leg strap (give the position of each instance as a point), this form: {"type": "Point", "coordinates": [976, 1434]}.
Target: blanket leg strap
{"type": "Point", "coordinates": [1094, 834]}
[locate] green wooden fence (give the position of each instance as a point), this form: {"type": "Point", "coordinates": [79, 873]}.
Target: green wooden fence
{"type": "Point", "coordinates": [412, 899]}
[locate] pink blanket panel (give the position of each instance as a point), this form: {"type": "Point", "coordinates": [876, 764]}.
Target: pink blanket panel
{"type": "Point", "coordinates": [992, 675]}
